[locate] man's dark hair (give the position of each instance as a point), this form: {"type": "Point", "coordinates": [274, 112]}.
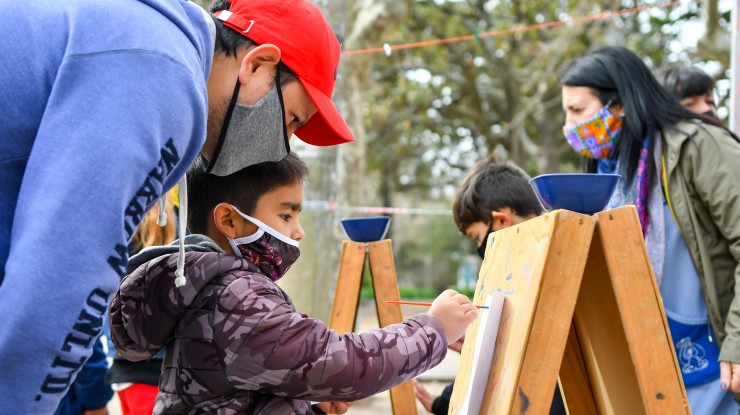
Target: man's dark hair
{"type": "Point", "coordinates": [242, 189]}
{"type": "Point", "coordinates": [490, 186]}
{"type": "Point", "coordinates": [229, 41]}
{"type": "Point", "coordinates": [685, 81]}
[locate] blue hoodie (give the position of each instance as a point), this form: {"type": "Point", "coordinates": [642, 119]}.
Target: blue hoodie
{"type": "Point", "coordinates": [103, 107]}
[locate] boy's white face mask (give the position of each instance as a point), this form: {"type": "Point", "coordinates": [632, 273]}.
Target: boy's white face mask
{"type": "Point", "coordinates": [272, 252]}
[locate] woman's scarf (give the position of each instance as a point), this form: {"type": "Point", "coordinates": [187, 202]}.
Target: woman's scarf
{"type": "Point", "coordinates": [647, 196]}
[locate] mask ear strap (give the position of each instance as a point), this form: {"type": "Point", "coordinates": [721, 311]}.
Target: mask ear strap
{"type": "Point", "coordinates": [225, 126]}
{"type": "Point", "coordinates": [235, 248]}
{"type": "Point", "coordinates": [282, 110]}
{"type": "Point", "coordinates": [266, 228]}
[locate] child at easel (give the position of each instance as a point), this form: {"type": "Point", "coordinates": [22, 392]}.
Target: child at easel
{"type": "Point", "coordinates": [493, 196]}
{"type": "Point", "coordinates": [233, 338]}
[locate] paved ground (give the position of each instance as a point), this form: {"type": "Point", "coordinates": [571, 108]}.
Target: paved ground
{"type": "Point", "coordinates": [435, 379]}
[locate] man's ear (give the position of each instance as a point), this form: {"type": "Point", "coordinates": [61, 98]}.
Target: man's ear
{"type": "Point", "coordinates": [258, 68]}
{"type": "Point", "coordinates": [224, 219]}
{"type": "Point", "coordinates": [501, 218]}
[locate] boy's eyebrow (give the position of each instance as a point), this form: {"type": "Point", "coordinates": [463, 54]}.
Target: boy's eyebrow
{"type": "Point", "coordinates": [293, 205]}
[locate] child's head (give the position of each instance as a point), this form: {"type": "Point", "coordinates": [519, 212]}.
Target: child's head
{"type": "Point", "coordinates": [493, 196]}
{"type": "Point", "coordinates": [271, 192]}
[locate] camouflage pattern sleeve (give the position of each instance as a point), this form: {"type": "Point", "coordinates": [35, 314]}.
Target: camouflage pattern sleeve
{"type": "Point", "coordinates": [270, 348]}
{"type": "Point", "coordinates": [147, 307]}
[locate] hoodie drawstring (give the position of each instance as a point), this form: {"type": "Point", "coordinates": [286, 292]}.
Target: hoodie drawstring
{"type": "Point", "coordinates": [162, 217]}
{"type": "Point", "coordinates": [182, 194]}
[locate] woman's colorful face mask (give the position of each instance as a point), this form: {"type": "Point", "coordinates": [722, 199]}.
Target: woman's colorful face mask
{"type": "Point", "coordinates": [591, 128]}
{"type": "Point", "coordinates": [597, 136]}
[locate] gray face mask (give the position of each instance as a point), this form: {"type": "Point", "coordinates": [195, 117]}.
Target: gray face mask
{"type": "Point", "coordinates": [251, 134]}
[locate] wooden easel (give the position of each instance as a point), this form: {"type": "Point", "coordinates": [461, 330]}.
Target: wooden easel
{"type": "Point", "coordinates": [581, 302]}
{"type": "Point", "coordinates": [347, 297]}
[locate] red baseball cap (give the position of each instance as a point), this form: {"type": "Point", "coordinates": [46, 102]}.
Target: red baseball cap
{"type": "Point", "coordinates": [308, 47]}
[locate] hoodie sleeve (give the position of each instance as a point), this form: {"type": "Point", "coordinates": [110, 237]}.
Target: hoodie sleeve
{"type": "Point", "coordinates": [119, 129]}
{"type": "Point", "coordinates": [271, 348]}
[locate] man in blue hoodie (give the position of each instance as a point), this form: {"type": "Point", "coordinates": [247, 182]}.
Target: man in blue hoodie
{"type": "Point", "coordinates": [103, 106]}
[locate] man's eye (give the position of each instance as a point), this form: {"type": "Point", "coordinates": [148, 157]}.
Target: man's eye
{"type": "Point", "coordinates": [286, 217]}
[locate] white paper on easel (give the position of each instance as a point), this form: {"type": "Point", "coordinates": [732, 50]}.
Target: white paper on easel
{"type": "Point", "coordinates": [483, 353]}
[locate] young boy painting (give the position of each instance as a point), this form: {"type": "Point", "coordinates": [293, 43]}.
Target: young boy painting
{"type": "Point", "coordinates": [233, 341]}
{"type": "Point", "coordinates": [493, 196]}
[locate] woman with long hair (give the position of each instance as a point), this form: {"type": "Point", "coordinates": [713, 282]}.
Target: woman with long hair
{"type": "Point", "coordinates": [682, 172]}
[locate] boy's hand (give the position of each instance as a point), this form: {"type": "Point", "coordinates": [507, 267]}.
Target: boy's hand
{"type": "Point", "coordinates": [454, 312]}
{"type": "Point", "coordinates": [457, 344]}
{"type": "Point", "coordinates": [334, 407]}
{"type": "Point", "coordinates": [423, 395]}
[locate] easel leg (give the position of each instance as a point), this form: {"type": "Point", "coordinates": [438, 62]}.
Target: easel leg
{"type": "Point", "coordinates": [347, 293]}
{"type": "Point", "coordinates": [644, 325]}
{"type": "Point", "coordinates": [385, 283]}
{"type": "Point", "coordinates": [603, 345]}
{"type": "Point", "coordinates": [574, 383]}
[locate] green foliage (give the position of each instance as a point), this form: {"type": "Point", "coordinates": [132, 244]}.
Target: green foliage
{"type": "Point", "coordinates": [367, 292]}
{"type": "Point", "coordinates": [429, 261]}
{"type": "Point", "coordinates": [470, 292]}
{"type": "Point", "coordinates": [432, 258]}
{"type": "Point", "coordinates": [415, 293]}
{"type": "Point", "coordinates": [431, 112]}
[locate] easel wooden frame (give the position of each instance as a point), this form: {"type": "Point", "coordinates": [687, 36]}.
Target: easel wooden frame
{"type": "Point", "coordinates": [582, 302]}
{"type": "Point", "coordinates": [385, 285]}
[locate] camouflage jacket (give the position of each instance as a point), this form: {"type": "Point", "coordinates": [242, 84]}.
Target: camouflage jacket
{"type": "Point", "coordinates": [234, 343]}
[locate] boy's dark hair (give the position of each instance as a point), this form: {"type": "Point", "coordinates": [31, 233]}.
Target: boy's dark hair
{"type": "Point", "coordinates": [229, 41]}
{"type": "Point", "coordinates": [685, 81]}
{"type": "Point", "coordinates": [242, 189]}
{"type": "Point", "coordinates": [490, 186]}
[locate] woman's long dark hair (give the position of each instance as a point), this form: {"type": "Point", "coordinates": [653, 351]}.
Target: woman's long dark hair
{"type": "Point", "coordinates": [619, 75]}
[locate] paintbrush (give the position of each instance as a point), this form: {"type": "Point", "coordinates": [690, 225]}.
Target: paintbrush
{"type": "Point", "coordinates": [484, 307]}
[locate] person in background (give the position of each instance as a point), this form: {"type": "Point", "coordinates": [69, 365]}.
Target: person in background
{"type": "Point", "coordinates": [691, 86]}
{"type": "Point", "coordinates": [104, 105]}
{"type": "Point", "coordinates": [492, 196]}
{"type": "Point", "coordinates": [136, 383]}
{"type": "Point", "coordinates": [680, 169]}
{"type": "Point", "coordinates": [89, 394]}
